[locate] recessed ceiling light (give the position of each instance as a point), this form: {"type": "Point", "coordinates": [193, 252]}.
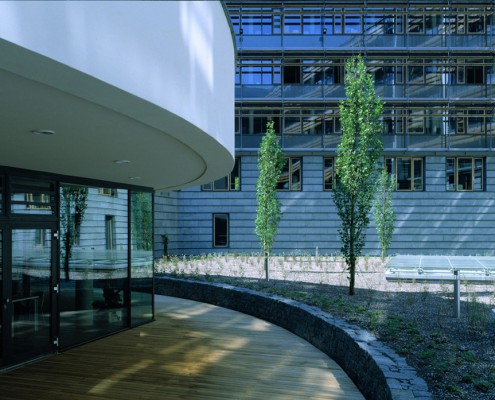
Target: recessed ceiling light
{"type": "Point", "coordinates": [121, 162]}
{"type": "Point", "coordinates": [43, 132]}
{"type": "Point", "coordinates": [133, 178]}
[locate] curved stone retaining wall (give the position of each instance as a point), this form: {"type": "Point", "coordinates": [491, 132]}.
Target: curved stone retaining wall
{"type": "Point", "coordinates": [377, 370]}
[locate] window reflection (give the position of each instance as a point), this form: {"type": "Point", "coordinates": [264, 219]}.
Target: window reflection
{"type": "Point", "coordinates": [141, 257]}
{"type": "Point", "coordinates": [93, 263]}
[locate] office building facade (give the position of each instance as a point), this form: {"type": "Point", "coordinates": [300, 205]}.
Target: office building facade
{"type": "Point", "coordinates": [433, 66]}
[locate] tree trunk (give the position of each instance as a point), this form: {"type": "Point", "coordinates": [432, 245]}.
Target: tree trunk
{"type": "Point", "coordinates": [352, 270]}
{"type": "Point", "coordinates": [266, 266]}
{"type": "Point", "coordinates": [352, 258]}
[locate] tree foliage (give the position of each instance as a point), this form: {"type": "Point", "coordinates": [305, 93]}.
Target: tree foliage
{"type": "Point", "coordinates": [357, 159]}
{"type": "Point", "coordinates": [383, 212]}
{"type": "Point", "coordinates": [73, 204]}
{"type": "Point", "coordinates": [270, 163]}
{"type": "Point", "coordinates": [142, 221]}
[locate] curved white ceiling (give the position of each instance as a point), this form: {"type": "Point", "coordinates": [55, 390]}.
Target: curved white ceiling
{"type": "Point", "coordinates": [174, 128]}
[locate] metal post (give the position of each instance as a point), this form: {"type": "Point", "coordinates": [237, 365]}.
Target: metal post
{"type": "Point", "coordinates": [457, 294]}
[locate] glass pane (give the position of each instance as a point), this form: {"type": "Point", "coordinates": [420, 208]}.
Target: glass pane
{"type": "Point", "coordinates": [478, 174]}
{"type": "Point", "coordinates": [403, 174]}
{"type": "Point", "coordinates": [352, 23]}
{"type": "Point", "coordinates": [390, 166]}
{"type": "Point", "coordinates": [328, 173]}
{"type": "Point", "coordinates": [283, 180]}
{"type": "Point", "coordinates": [221, 230]}
{"type": "Point", "coordinates": [31, 276]}
{"type": "Point", "coordinates": [292, 126]}
{"type": "Point", "coordinates": [415, 24]}
{"type": "Point", "coordinates": [1, 283]}
{"type": "Point", "coordinates": [141, 257]}
{"type": "Point", "coordinates": [418, 174]}
{"type": "Point", "coordinates": [296, 182]}
{"type": "Point", "coordinates": [312, 24]}
{"type": "Point", "coordinates": [465, 174]}
{"type": "Point", "coordinates": [292, 24]}
{"type": "Point", "coordinates": [235, 175]}
{"type": "Point", "coordinates": [449, 174]}
{"type": "Point", "coordinates": [221, 184]}
{"type": "Point", "coordinates": [31, 196]}
{"type": "Point", "coordinates": [93, 263]}
{"type": "Point", "coordinates": [1, 195]}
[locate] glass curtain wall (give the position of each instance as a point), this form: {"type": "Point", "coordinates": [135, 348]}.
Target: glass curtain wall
{"type": "Point", "coordinates": [300, 90]}
{"type": "Point", "coordinates": [93, 262]}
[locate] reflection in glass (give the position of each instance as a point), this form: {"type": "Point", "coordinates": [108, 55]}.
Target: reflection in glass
{"type": "Point", "coordinates": [1, 279]}
{"type": "Point", "coordinates": [93, 263]}
{"type": "Point", "coordinates": [31, 275]}
{"type": "Point", "coordinates": [450, 174]}
{"type": "Point", "coordinates": [30, 196]}
{"type": "Point", "coordinates": [1, 194]}
{"type": "Point", "coordinates": [465, 171]}
{"type": "Point", "coordinates": [328, 173]}
{"type": "Point", "coordinates": [141, 257]}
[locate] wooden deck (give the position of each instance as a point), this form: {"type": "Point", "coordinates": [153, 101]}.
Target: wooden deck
{"type": "Point", "coordinates": [192, 351]}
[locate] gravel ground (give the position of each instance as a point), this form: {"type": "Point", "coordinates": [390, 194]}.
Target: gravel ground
{"type": "Point", "coordinates": [456, 357]}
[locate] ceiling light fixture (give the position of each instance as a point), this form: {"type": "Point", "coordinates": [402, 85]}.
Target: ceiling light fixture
{"type": "Point", "coordinates": [43, 132]}
{"type": "Point", "coordinates": [133, 178]}
{"type": "Point", "coordinates": [120, 162]}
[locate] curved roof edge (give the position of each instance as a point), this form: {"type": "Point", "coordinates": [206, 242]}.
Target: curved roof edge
{"type": "Point", "coordinates": [168, 108]}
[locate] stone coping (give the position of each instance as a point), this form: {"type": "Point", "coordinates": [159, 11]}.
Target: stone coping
{"type": "Point", "coordinates": [377, 371]}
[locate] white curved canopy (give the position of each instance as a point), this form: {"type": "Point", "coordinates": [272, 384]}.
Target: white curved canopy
{"type": "Point", "coordinates": [147, 82]}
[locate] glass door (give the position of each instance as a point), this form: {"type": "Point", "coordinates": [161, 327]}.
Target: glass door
{"type": "Point", "coordinates": [28, 293]}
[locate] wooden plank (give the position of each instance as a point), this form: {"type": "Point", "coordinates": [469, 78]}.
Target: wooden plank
{"type": "Point", "coordinates": [192, 351]}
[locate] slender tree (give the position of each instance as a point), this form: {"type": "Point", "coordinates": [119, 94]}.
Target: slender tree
{"type": "Point", "coordinates": [357, 159]}
{"type": "Point", "coordinates": [73, 204]}
{"type": "Point", "coordinates": [270, 163]}
{"type": "Point", "coordinates": [383, 212]}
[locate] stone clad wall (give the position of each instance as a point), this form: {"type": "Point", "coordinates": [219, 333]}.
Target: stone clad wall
{"type": "Point", "coordinates": [378, 372]}
{"type": "Point", "coordinates": [432, 221]}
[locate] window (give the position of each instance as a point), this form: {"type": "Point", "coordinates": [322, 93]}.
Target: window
{"type": "Point", "coordinates": [474, 74]}
{"type": "Point", "coordinates": [415, 122]}
{"type": "Point", "coordinates": [256, 20]}
{"type": "Point", "coordinates": [292, 21]}
{"type": "Point", "coordinates": [415, 23]}
{"type": "Point", "coordinates": [253, 121]}
{"type": "Point", "coordinates": [220, 230]}
{"type": "Point", "coordinates": [38, 201]}
{"type": "Point", "coordinates": [352, 23]}
{"type": "Point", "coordinates": [312, 22]}
{"type": "Point", "coordinates": [107, 192]}
{"type": "Point", "coordinates": [29, 196]}
{"type": "Point", "coordinates": [292, 73]}
{"type": "Point", "coordinates": [408, 172]}
{"type": "Point", "coordinates": [260, 72]}
{"type": "Point", "coordinates": [464, 174]}
{"type": "Point", "coordinates": [39, 237]}
{"type": "Point", "coordinates": [231, 182]}
{"type": "Point", "coordinates": [475, 23]}
{"type": "Point", "coordinates": [379, 24]}
{"type": "Point", "coordinates": [328, 173]}
{"type": "Point", "coordinates": [291, 176]}
{"type": "Point", "coordinates": [110, 232]}
{"type": "Point", "coordinates": [1, 194]}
